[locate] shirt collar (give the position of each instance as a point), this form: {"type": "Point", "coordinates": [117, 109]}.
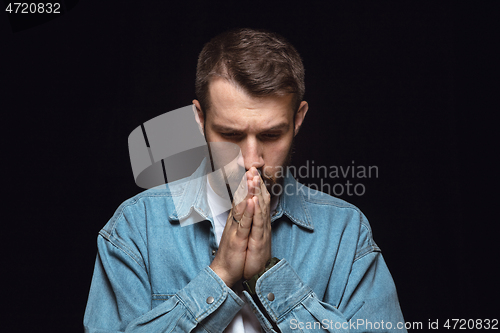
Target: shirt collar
{"type": "Point", "coordinates": [192, 196]}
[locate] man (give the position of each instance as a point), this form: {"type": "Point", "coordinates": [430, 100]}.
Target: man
{"type": "Point", "coordinates": [285, 258]}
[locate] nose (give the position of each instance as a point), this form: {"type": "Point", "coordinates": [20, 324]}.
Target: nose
{"type": "Point", "coordinates": [252, 153]}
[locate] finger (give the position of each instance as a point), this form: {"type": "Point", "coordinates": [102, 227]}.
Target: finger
{"type": "Point", "coordinates": [252, 188]}
{"type": "Point", "coordinates": [248, 185]}
{"type": "Point", "coordinates": [260, 193]}
{"type": "Point", "coordinates": [250, 173]}
{"type": "Point", "coordinates": [255, 172]}
{"type": "Point", "coordinates": [238, 210]}
{"type": "Point", "coordinates": [265, 193]}
{"type": "Point", "coordinates": [246, 220]}
{"type": "Point", "coordinates": [257, 232]}
{"type": "Point", "coordinates": [241, 192]}
{"type": "Point", "coordinates": [229, 223]}
{"type": "Point", "coordinates": [249, 177]}
{"type": "Point", "coordinates": [240, 207]}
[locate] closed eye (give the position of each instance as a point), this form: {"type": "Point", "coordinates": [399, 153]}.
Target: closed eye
{"type": "Point", "coordinates": [237, 136]}
{"type": "Point", "coordinates": [271, 136]}
{"type": "Point", "coordinates": [230, 135]}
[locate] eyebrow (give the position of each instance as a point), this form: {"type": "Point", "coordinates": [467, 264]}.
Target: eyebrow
{"type": "Point", "coordinates": [223, 128]}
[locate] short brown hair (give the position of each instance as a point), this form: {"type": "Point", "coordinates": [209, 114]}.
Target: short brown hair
{"type": "Point", "coordinates": [262, 63]}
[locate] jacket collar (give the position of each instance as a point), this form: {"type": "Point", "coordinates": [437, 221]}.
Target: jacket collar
{"type": "Point", "coordinates": [292, 203]}
{"type": "Point", "coordinates": [190, 194]}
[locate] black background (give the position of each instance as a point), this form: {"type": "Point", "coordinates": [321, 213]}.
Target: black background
{"type": "Point", "coordinates": [384, 86]}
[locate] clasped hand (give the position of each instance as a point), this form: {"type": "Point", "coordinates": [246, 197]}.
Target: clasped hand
{"type": "Point", "coordinates": [245, 247]}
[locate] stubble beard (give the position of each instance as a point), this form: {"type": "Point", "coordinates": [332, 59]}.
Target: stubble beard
{"type": "Point", "coordinates": [274, 184]}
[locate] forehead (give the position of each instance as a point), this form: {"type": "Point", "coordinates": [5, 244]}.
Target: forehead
{"type": "Point", "coordinates": [230, 103]}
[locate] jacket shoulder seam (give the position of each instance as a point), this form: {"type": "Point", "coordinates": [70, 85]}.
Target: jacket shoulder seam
{"type": "Point", "coordinates": [371, 247]}
{"type": "Point", "coordinates": [119, 244]}
{"type": "Point", "coordinates": [133, 201]}
{"type": "Point", "coordinates": [332, 201]}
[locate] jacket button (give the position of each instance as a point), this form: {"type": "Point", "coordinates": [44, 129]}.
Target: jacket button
{"type": "Point", "coordinates": [210, 300]}
{"type": "Point", "coordinates": [214, 252]}
{"type": "Point", "coordinates": [270, 297]}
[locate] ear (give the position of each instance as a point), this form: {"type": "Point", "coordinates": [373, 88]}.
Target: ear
{"type": "Point", "coordinates": [198, 115]}
{"type": "Point", "coordinates": [300, 115]}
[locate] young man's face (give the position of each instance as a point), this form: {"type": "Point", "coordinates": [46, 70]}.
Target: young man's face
{"type": "Point", "coordinates": [263, 127]}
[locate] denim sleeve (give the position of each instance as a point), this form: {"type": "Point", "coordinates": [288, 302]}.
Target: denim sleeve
{"type": "Point", "coordinates": [370, 299]}
{"type": "Point", "coordinates": [120, 297]}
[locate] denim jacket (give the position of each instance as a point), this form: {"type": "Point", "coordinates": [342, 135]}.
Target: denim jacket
{"type": "Point", "coordinates": [152, 274]}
